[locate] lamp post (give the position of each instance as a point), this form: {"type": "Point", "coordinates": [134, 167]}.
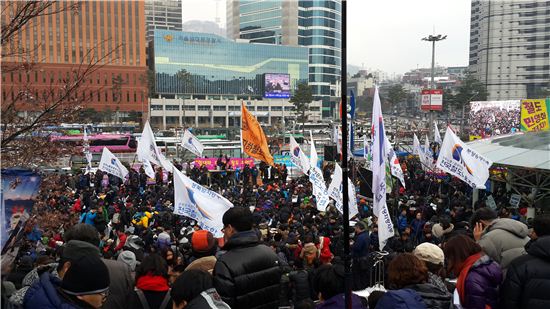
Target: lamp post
{"type": "Point", "coordinates": [433, 39]}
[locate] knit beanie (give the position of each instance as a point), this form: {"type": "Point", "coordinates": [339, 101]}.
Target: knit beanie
{"type": "Point", "coordinates": [202, 241]}
{"type": "Point", "coordinates": [87, 275]}
{"type": "Point", "coordinates": [75, 249]}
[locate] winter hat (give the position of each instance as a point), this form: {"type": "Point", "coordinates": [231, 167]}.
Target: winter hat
{"type": "Point", "coordinates": [430, 253]}
{"type": "Point", "coordinates": [75, 249]}
{"type": "Point", "coordinates": [202, 241]}
{"type": "Point", "coordinates": [206, 263]}
{"type": "Point", "coordinates": [438, 231]}
{"type": "Point", "coordinates": [87, 275]}
{"type": "Point", "coordinates": [134, 242]}
{"type": "Point", "coordinates": [129, 258]}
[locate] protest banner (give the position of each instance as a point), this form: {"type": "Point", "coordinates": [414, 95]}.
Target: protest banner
{"type": "Point", "coordinates": [534, 115]}
{"type": "Point", "coordinates": [233, 163]}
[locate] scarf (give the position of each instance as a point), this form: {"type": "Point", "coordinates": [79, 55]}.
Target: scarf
{"type": "Point", "coordinates": [464, 273]}
{"type": "Point", "coordinates": [150, 282]}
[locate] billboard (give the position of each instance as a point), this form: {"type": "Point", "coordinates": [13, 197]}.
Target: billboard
{"type": "Point", "coordinates": [492, 118]}
{"type": "Point", "coordinates": [432, 100]}
{"type": "Point", "coordinates": [534, 115]}
{"type": "Point", "coordinates": [276, 86]}
{"type": "Point", "coordinates": [210, 163]}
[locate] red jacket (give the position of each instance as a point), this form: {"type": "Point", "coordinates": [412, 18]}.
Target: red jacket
{"type": "Point", "coordinates": [122, 240]}
{"type": "Point", "coordinates": [77, 207]}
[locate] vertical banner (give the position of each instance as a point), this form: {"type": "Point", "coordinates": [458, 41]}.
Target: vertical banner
{"type": "Point", "coordinates": [534, 115]}
{"type": "Point", "coordinates": [19, 190]}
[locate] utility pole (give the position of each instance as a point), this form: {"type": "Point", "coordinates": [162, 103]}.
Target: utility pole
{"type": "Point", "coordinates": [345, 196]}
{"type": "Point", "coordinates": [433, 39]}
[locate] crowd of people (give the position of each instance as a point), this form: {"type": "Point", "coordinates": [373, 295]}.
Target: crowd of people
{"type": "Point", "coordinates": [95, 241]}
{"type": "Point", "coordinates": [492, 121]}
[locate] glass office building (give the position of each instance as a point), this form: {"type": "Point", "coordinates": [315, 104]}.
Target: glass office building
{"type": "Point", "coordinates": [312, 23]}
{"type": "Point", "coordinates": [221, 67]}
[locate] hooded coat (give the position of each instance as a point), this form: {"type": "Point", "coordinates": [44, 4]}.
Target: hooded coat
{"type": "Point", "coordinates": [527, 283]}
{"type": "Point", "coordinates": [482, 283]}
{"type": "Point", "coordinates": [43, 294]}
{"type": "Point", "coordinates": [504, 240]}
{"type": "Point", "coordinates": [432, 296]}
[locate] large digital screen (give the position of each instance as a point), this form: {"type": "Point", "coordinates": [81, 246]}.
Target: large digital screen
{"type": "Point", "coordinates": [492, 118]}
{"type": "Point", "coordinates": [277, 86]}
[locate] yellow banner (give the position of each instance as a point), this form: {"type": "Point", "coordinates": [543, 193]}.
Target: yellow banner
{"type": "Point", "coordinates": [254, 142]}
{"type": "Point", "coordinates": [534, 115]}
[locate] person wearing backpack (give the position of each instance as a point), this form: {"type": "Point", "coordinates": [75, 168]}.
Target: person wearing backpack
{"type": "Point", "coordinates": [152, 290]}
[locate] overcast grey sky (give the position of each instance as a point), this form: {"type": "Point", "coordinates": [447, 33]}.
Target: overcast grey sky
{"type": "Point", "coordinates": [386, 34]}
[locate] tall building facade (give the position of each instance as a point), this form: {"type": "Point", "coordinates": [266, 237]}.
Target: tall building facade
{"type": "Point", "coordinates": [221, 67]}
{"type": "Point", "coordinates": [162, 15]}
{"type": "Point", "coordinates": [312, 23]}
{"type": "Point", "coordinates": [510, 47]}
{"type": "Point", "coordinates": [201, 79]}
{"type": "Point", "coordinates": [57, 45]}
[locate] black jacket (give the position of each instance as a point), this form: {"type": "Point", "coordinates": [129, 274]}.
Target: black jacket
{"type": "Point", "coordinates": [432, 296]}
{"type": "Point", "coordinates": [527, 283]}
{"type": "Point", "coordinates": [248, 274]}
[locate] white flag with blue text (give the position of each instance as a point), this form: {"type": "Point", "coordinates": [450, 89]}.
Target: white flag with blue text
{"type": "Point", "coordinates": [459, 160]}
{"type": "Point", "coordinates": [385, 225]}
{"type": "Point", "coordinates": [200, 204]}
{"type": "Point", "coordinates": [335, 190]}
{"type": "Point", "coordinates": [192, 143]}
{"type": "Point", "coordinates": [316, 178]}
{"type": "Point", "coordinates": [112, 165]}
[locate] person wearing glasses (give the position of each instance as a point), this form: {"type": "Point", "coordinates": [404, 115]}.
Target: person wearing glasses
{"type": "Point", "coordinates": [85, 284]}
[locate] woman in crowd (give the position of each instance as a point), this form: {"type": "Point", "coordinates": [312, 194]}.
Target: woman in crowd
{"type": "Point", "coordinates": [409, 277]}
{"type": "Point", "coordinates": [152, 289]}
{"type": "Point", "coordinates": [479, 277]}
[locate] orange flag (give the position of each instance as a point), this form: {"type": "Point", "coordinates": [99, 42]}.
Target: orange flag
{"type": "Point", "coordinates": [254, 142]}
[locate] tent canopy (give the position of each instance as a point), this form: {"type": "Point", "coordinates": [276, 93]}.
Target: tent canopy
{"type": "Point", "coordinates": [527, 150]}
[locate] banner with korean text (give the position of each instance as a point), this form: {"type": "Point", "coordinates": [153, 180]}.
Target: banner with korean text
{"type": "Point", "coordinates": [534, 115]}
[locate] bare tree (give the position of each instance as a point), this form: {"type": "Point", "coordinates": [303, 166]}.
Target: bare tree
{"type": "Point", "coordinates": [32, 106]}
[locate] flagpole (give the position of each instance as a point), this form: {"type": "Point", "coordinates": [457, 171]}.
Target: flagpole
{"type": "Point", "coordinates": [345, 197]}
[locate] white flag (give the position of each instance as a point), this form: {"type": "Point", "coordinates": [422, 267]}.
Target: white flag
{"type": "Point", "coordinates": [457, 159]}
{"type": "Point", "coordinates": [148, 168]}
{"type": "Point", "coordinates": [87, 152]}
{"type": "Point", "coordinates": [385, 226]}
{"type": "Point", "coordinates": [298, 157]}
{"type": "Point", "coordinates": [395, 167]}
{"type": "Point", "coordinates": [192, 143]}
{"type": "Point", "coordinates": [112, 165]}
{"type": "Point", "coordinates": [200, 204]}
{"type": "Point", "coordinates": [316, 179]}
{"type": "Point", "coordinates": [147, 147]}
{"type": "Point", "coordinates": [313, 158]}
{"type": "Point", "coordinates": [335, 190]}
{"type": "Point", "coordinates": [428, 154]}
{"type": "Point", "coordinates": [437, 136]}
{"type": "Point", "coordinates": [165, 163]}
{"type": "Point", "coordinates": [416, 145]}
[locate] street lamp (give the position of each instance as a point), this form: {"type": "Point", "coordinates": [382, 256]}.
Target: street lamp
{"type": "Point", "coordinates": [433, 39]}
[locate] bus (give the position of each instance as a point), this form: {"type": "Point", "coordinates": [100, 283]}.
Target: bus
{"type": "Point", "coordinates": [116, 143]}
